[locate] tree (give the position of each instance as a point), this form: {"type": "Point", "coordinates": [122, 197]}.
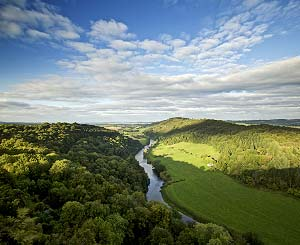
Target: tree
{"type": "Point", "coordinates": [86, 234]}
{"type": "Point", "coordinates": [161, 236]}
{"type": "Point", "coordinates": [72, 213]}
{"type": "Point", "coordinates": [160, 214]}
{"type": "Point", "coordinates": [25, 230]}
{"type": "Point", "coordinates": [60, 168]}
{"type": "Point", "coordinates": [212, 234]}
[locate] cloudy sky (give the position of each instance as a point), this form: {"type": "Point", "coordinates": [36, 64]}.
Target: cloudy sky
{"type": "Point", "coordinates": [147, 60]}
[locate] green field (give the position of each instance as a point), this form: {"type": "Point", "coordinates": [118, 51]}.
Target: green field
{"type": "Point", "coordinates": [211, 195]}
{"type": "Point", "coordinates": [133, 131]}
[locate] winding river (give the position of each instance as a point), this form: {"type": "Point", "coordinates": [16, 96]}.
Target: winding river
{"type": "Point", "coordinates": [156, 183]}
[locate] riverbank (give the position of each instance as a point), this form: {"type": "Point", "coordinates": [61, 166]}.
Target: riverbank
{"type": "Point", "coordinates": [156, 184]}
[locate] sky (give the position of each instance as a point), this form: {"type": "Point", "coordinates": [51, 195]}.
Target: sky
{"type": "Point", "coordinates": [148, 60]}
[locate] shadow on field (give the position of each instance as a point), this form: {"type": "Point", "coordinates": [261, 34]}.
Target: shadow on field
{"type": "Point", "coordinates": [209, 195]}
{"type": "Point", "coordinates": [211, 177]}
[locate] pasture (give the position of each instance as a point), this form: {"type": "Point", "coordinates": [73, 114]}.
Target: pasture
{"type": "Point", "coordinates": [211, 195]}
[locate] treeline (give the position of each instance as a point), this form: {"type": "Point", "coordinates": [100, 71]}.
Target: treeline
{"type": "Point", "coordinates": [258, 155]}
{"type": "Point", "coordinates": [80, 184]}
{"type": "Point", "coordinates": [286, 179]}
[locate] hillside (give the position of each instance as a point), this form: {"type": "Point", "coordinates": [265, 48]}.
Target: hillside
{"type": "Point", "coordinates": [201, 161]}
{"type": "Point", "coordinates": [257, 155]}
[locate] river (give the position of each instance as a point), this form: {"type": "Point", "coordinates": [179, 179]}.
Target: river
{"type": "Point", "coordinates": [156, 183]}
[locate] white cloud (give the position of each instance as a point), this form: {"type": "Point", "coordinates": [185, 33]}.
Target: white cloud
{"type": "Point", "coordinates": [274, 86]}
{"type": "Point", "coordinates": [37, 34]}
{"type": "Point", "coordinates": [251, 3]}
{"type": "Point", "coordinates": [285, 72]}
{"type": "Point", "coordinates": [148, 60]}
{"type": "Point", "coordinates": [108, 30]}
{"type": "Point", "coordinates": [81, 46]}
{"type": "Point", "coordinates": [220, 49]}
{"type": "Point", "coordinates": [177, 43]}
{"type": "Point", "coordinates": [186, 52]}
{"type": "Point", "coordinates": [153, 46]}
{"type": "Point", "coordinates": [100, 64]}
{"type": "Point", "coordinates": [10, 29]}
{"type": "Point", "coordinates": [66, 34]}
{"type": "Point", "coordinates": [20, 3]}
{"type": "Point", "coordinates": [122, 45]}
{"type": "Point", "coordinates": [36, 19]}
{"type": "Point", "coordinates": [209, 43]}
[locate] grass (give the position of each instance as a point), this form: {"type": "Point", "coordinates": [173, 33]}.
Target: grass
{"type": "Point", "coordinates": [213, 196]}
{"type": "Point", "coordinates": [135, 132]}
{"type": "Point", "coordinates": [131, 130]}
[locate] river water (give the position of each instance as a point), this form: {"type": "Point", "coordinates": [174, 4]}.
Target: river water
{"type": "Point", "coordinates": [156, 183]}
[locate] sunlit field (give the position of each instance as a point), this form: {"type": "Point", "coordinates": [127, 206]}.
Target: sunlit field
{"type": "Point", "coordinates": [211, 195]}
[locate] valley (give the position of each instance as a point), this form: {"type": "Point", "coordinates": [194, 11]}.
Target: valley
{"type": "Point", "coordinates": [96, 185]}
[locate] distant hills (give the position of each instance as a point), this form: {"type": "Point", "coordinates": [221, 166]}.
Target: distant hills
{"type": "Point", "coordinates": [277, 122]}
{"type": "Point", "coordinates": [19, 123]}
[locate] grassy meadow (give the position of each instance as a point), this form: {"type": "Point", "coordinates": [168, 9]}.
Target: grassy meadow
{"type": "Point", "coordinates": [211, 195]}
{"type": "Point", "coordinates": [134, 131]}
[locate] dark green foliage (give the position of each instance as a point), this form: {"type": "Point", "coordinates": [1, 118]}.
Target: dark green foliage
{"type": "Point", "coordinates": [285, 179]}
{"type": "Point", "coordinates": [258, 155]}
{"type": "Point", "coordinates": [161, 236]}
{"type": "Point", "coordinates": [205, 234]}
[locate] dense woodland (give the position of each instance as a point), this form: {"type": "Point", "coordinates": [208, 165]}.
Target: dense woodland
{"type": "Point", "coordinates": [258, 155]}
{"type": "Point", "coordinates": [79, 184]}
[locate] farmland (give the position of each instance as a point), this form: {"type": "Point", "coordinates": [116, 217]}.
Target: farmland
{"type": "Point", "coordinates": [209, 194]}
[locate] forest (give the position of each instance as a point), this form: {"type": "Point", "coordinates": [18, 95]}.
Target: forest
{"type": "Point", "coordinates": [80, 184]}
{"type": "Point", "coordinates": [263, 156]}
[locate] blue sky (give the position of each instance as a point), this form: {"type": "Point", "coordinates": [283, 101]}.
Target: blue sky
{"type": "Point", "coordinates": [121, 60]}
